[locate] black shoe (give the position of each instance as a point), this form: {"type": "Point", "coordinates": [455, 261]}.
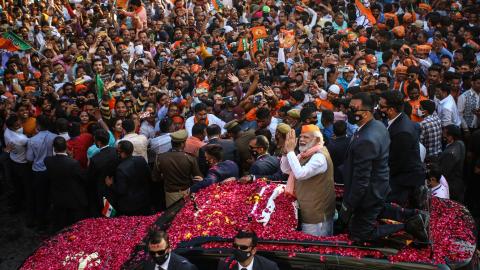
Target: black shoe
{"type": "Point", "coordinates": [417, 227]}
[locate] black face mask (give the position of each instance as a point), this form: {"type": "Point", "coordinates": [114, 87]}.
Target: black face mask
{"type": "Point", "coordinates": [240, 255]}
{"type": "Point", "coordinates": [159, 259]}
{"type": "Point", "coordinates": [353, 118]}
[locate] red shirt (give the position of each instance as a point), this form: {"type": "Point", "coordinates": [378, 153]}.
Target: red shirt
{"type": "Point", "coordinates": [78, 147]}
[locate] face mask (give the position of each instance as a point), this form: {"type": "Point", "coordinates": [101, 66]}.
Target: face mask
{"type": "Point", "coordinates": [419, 112]}
{"type": "Point", "coordinates": [240, 255]}
{"type": "Point", "coordinates": [160, 259]}
{"type": "Point", "coordinates": [19, 131]}
{"type": "Point", "coordinates": [353, 118]}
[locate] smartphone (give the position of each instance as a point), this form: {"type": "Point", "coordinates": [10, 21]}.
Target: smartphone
{"type": "Point", "coordinates": [15, 81]}
{"type": "Point", "coordinates": [257, 98]}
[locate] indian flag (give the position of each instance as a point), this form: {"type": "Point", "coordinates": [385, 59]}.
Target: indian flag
{"type": "Point", "coordinates": [11, 42]}
{"type": "Point", "coordinates": [108, 209]}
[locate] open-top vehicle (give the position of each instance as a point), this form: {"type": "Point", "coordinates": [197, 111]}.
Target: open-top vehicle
{"type": "Point", "coordinates": [202, 228]}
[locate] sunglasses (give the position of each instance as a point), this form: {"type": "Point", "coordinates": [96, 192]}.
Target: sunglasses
{"type": "Point", "coordinates": [158, 253]}
{"type": "Point", "coordinates": [241, 247]}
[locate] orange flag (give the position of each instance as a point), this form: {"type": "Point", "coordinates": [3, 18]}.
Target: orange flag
{"type": "Point", "coordinates": [259, 32]}
{"type": "Point", "coordinates": [366, 12]}
{"type": "Point", "coordinates": [289, 38]}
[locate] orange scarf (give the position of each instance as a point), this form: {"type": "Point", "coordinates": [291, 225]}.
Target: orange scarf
{"type": "Point", "coordinates": [290, 188]}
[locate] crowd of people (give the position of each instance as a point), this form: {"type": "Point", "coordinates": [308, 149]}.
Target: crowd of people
{"type": "Point", "coordinates": [137, 105]}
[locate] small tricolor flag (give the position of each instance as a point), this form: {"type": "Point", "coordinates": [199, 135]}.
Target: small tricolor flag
{"type": "Point", "coordinates": [11, 42]}
{"type": "Point", "coordinates": [217, 5]}
{"type": "Point", "coordinates": [108, 209]}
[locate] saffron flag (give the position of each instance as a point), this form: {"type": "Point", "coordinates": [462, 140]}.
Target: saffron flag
{"type": "Point", "coordinates": [365, 11]}
{"type": "Point", "coordinates": [257, 45]}
{"type": "Point", "coordinates": [259, 32]}
{"type": "Point", "coordinates": [288, 39]}
{"type": "Point", "coordinates": [11, 42]}
{"type": "Point", "coordinates": [108, 210]}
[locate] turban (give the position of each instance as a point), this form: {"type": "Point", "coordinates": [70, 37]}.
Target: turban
{"type": "Point", "coordinates": [426, 7]}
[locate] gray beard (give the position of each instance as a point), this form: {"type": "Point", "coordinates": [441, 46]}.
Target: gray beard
{"type": "Point", "coordinates": [307, 146]}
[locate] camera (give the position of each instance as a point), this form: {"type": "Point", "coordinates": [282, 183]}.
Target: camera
{"type": "Point", "coordinates": [257, 98]}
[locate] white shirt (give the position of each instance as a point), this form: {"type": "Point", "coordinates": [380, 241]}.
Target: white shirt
{"type": "Point", "coordinates": [461, 108]}
{"type": "Point", "coordinates": [440, 191]}
{"type": "Point", "coordinates": [147, 130]}
{"type": "Point", "coordinates": [316, 165]}
{"type": "Point", "coordinates": [140, 144]}
{"type": "Point", "coordinates": [161, 144]}
{"type": "Point", "coordinates": [448, 113]}
{"type": "Point", "coordinates": [248, 267]}
{"type": "Point", "coordinates": [164, 265]}
{"type": "Point", "coordinates": [19, 142]}
{"type": "Point", "coordinates": [273, 127]}
{"type": "Point", "coordinates": [64, 135]}
{"type": "Point", "coordinates": [390, 122]}
{"type": "Point", "coordinates": [212, 119]}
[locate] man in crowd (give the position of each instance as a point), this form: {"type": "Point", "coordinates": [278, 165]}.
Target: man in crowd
{"type": "Point", "coordinates": [430, 130]}
{"type": "Point", "coordinates": [337, 147]}
{"type": "Point", "coordinates": [451, 162]}
{"type": "Point", "coordinates": [310, 179]}
{"type": "Point", "coordinates": [406, 169]}
{"type": "Point", "coordinates": [131, 182]}
{"type": "Point", "coordinates": [366, 178]}
{"type": "Point", "coordinates": [176, 169]}
{"type": "Point", "coordinates": [220, 169]}
{"type": "Point", "coordinates": [229, 150]}
{"type": "Point", "coordinates": [39, 147]}
{"type": "Point", "coordinates": [139, 142]}
{"type": "Point", "coordinates": [67, 184]}
{"type": "Point", "coordinates": [245, 254]}
{"type": "Point", "coordinates": [161, 255]}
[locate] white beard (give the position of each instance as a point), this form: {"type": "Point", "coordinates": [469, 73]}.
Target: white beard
{"type": "Point", "coordinates": [307, 146]}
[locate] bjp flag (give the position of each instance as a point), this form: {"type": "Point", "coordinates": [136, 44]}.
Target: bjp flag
{"type": "Point", "coordinates": [259, 32]}
{"type": "Point", "coordinates": [243, 45]}
{"type": "Point", "coordinates": [289, 38]}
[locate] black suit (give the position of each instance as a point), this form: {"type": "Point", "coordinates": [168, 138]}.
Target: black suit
{"type": "Point", "coordinates": [131, 186]}
{"type": "Point", "coordinates": [67, 187]}
{"type": "Point", "coordinates": [259, 263]}
{"type": "Point", "coordinates": [338, 148]}
{"type": "Point", "coordinates": [451, 162]}
{"type": "Point", "coordinates": [268, 166]}
{"type": "Point", "coordinates": [229, 153]}
{"type": "Point", "coordinates": [101, 165]}
{"type": "Point", "coordinates": [366, 178]}
{"type": "Point", "coordinates": [406, 168]}
{"type": "Point", "coordinates": [177, 262]}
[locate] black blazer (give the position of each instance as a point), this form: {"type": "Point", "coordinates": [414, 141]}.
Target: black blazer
{"type": "Point", "coordinates": [229, 153]}
{"type": "Point", "coordinates": [259, 263]}
{"type": "Point", "coordinates": [365, 170]}
{"type": "Point", "coordinates": [67, 182]}
{"type": "Point", "coordinates": [268, 166]}
{"type": "Point", "coordinates": [103, 164]}
{"type": "Point", "coordinates": [451, 162]}
{"type": "Point", "coordinates": [131, 184]}
{"type": "Point", "coordinates": [406, 168]}
{"type": "Point", "coordinates": [338, 149]}
{"type": "Point", "coordinates": [177, 262]}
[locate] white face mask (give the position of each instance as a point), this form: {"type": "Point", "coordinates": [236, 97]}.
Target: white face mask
{"type": "Point", "coordinates": [419, 112]}
{"type": "Point", "coordinates": [19, 131]}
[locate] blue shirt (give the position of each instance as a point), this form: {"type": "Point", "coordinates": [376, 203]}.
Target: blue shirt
{"type": "Point", "coordinates": [39, 147]}
{"type": "Point", "coordinates": [93, 150]}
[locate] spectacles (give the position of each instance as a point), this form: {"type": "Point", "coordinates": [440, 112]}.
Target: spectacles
{"type": "Point", "coordinates": [158, 253]}
{"type": "Point", "coordinates": [411, 75]}
{"type": "Point", "coordinates": [241, 247]}
{"type": "Point", "coordinates": [383, 106]}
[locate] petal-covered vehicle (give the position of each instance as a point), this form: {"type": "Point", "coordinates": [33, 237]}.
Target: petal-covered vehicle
{"type": "Point", "coordinates": [201, 229]}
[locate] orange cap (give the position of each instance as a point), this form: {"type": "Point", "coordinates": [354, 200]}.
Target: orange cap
{"type": "Point", "coordinates": [425, 6]}
{"type": "Point", "coordinates": [310, 128]}
{"type": "Point", "coordinates": [408, 18]}
{"type": "Point", "coordinates": [370, 58]}
{"type": "Point", "coordinates": [399, 31]}
{"type": "Point", "coordinates": [424, 49]}
{"type": "Point", "coordinates": [362, 40]}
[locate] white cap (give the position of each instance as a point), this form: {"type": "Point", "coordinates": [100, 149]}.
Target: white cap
{"type": "Point", "coordinates": [228, 29]}
{"type": "Point", "coordinates": [323, 94]}
{"type": "Point", "coordinates": [334, 89]}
